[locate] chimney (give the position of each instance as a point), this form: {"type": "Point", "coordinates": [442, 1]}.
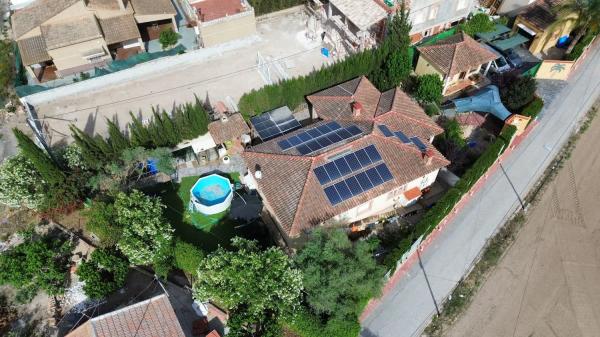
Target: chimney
{"type": "Point", "coordinates": [356, 109]}
{"type": "Point", "coordinates": [428, 156]}
{"type": "Point", "coordinates": [257, 172]}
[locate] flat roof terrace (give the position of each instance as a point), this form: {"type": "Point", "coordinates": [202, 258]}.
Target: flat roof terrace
{"type": "Point", "coordinates": [209, 10]}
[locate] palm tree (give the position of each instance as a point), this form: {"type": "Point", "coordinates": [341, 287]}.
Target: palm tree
{"type": "Point", "coordinates": [587, 16]}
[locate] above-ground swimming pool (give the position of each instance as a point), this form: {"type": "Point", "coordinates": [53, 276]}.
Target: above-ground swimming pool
{"type": "Point", "coordinates": [211, 194]}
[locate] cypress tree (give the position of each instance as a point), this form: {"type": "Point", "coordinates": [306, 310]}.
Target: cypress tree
{"type": "Point", "coordinates": [95, 151]}
{"type": "Point", "coordinates": [170, 130]}
{"type": "Point", "coordinates": [42, 162]}
{"type": "Point", "coordinates": [140, 136]}
{"type": "Point", "coordinates": [116, 139]}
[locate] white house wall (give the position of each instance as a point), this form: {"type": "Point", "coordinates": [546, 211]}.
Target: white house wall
{"type": "Point", "coordinates": [447, 11]}
{"type": "Point", "coordinates": [384, 202]}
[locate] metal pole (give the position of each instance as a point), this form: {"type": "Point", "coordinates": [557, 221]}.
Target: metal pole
{"type": "Point", "coordinates": [512, 186]}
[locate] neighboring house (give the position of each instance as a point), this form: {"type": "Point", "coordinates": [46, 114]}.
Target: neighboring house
{"type": "Point", "coordinates": [63, 37]}
{"type": "Point", "coordinates": [360, 22]}
{"type": "Point", "coordinates": [152, 317]}
{"type": "Point", "coordinates": [228, 128]}
{"type": "Point", "coordinates": [220, 21]}
{"type": "Point", "coordinates": [457, 59]}
{"type": "Point", "coordinates": [537, 20]}
{"type": "Point", "coordinates": [370, 154]}
{"type": "Point", "coordinates": [429, 17]}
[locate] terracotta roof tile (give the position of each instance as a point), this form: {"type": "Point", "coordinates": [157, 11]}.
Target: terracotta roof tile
{"type": "Point", "coordinates": [456, 54]}
{"type": "Point", "coordinates": [234, 127]}
{"type": "Point", "coordinates": [209, 10]}
{"type": "Point", "coordinates": [153, 317]}
{"type": "Point", "coordinates": [36, 13]}
{"type": "Point", "coordinates": [412, 194]}
{"type": "Point", "coordinates": [289, 187]}
{"type": "Point", "coordinates": [33, 50]}
{"type": "Point", "coordinates": [70, 31]}
{"type": "Point", "coordinates": [153, 7]}
{"type": "Point", "coordinates": [119, 28]}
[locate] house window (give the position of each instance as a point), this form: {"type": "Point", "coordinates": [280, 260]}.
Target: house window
{"type": "Point", "coordinates": [462, 4]}
{"type": "Point", "coordinates": [433, 11]}
{"type": "Point", "coordinates": [419, 17]}
{"type": "Point", "coordinates": [95, 59]}
{"type": "Point", "coordinates": [427, 33]}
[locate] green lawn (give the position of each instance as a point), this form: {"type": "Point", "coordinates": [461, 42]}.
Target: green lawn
{"type": "Point", "coordinates": [205, 231]}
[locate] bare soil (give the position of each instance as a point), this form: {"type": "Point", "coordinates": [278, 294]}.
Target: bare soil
{"type": "Point", "coordinates": [548, 283]}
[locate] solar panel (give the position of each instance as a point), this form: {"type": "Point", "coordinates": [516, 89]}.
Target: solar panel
{"type": "Point", "coordinates": [363, 157]}
{"type": "Point", "coordinates": [364, 181]}
{"type": "Point", "coordinates": [322, 175]}
{"type": "Point", "coordinates": [267, 127]}
{"type": "Point", "coordinates": [374, 176]}
{"type": "Point", "coordinates": [419, 143]}
{"type": "Point", "coordinates": [353, 162]}
{"type": "Point", "coordinates": [332, 195]}
{"type": "Point", "coordinates": [385, 130]}
{"type": "Point", "coordinates": [402, 137]}
{"type": "Point", "coordinates": [384, 172]}
{"type": "Point", "coordinates": [343, 191]}
{"type": "Point", "coordinates": [332, 171]}
{"type": "Point", "coordinates": [319, 137]}
{"type": "Point", "coordinates": [354, 186]}
{"type": "Point", "coordinates": [373, 153]}
{"type": "Point", "coordinates": [342, 166]}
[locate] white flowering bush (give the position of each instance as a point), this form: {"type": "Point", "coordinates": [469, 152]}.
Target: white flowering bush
{"type": "Point", "coordinates": [73, 157]}
{"type": "Point", "coordinates": [20, 184]}
{"type": "Point", "coordinates": [146, 235]}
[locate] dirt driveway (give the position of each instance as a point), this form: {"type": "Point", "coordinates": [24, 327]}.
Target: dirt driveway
{"type": "Point", "coordinates": [548, 283]}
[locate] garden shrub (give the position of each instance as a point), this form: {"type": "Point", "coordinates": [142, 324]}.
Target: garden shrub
{"type": "Point", "coordinates": [187, 256]}
{"type": "Point", "coordinates": [429, 89]}
{"type": "Point", "coordinates": [305, 324]}
{"type": "Point", "coordinates": [102, 223]}
{"type": "Point", "coordinates": [580, 47]}
{"type": "Point", "coordinates": [533, 108]}
{"type": "Point", "coordinates": [518, 93]}
{"type": "Point", "coordinates": [432, 109]}
{"type": "Point", "coordinates": [168, 38]}
{"type": "Point", "coordinates": [104, 273]}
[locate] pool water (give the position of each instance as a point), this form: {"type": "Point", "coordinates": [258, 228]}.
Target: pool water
{"type": "Point", "coordinates": [211, 190]}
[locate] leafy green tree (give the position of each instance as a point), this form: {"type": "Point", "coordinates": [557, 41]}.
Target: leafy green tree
{"type": "Point", "coordinates": [42, 162]}
{"type": "Point", "coordinates": [583, 14]}
{"type": "Point", "coordinates": [518, 93]}
{"type": "Point", "coordinates": [453, 132]}
{"type": "Point", "coordinates": [20, 183]}
{"type": "Point", "coordinates": [72, 156]}
{"type": "Point", "coordinates": [168, 38]}
{"type": "Point", "coordinates": [429, 89]}
{"type": "Point", "coordinates": [37, 263]}
{"type": "Point", "coordinates": [479, 23]}
{"type": "Point", "coordinates": [147, 236]}
{"type": "Point", "coordinates": [104, 273]}
{"type": "Point", "coordinates": [187, 256]}
{"type": "Point", "coordinates": [339, 276]}
{"type": "Point", "coordinates": [255, 286]}
{"type": "Point", "coordinates": [102, 222]}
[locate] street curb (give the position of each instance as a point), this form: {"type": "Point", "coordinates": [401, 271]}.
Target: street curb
{"type": "Point", "coordinates": [403, 269]}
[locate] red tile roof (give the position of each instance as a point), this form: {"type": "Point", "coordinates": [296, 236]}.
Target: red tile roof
{"type": "Point", "coordinates": [290, 189]}
{"type": "Point", "coordinates": [209, 10]}
{"type": "Point", "coordinates": [150, 318]}
{"type": "Point", "coordinates": [456, 54]}
{"type": "Point", "coordinates": [234, 127]}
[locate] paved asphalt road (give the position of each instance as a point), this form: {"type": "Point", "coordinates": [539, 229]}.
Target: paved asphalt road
{"type": "Point", "coordinates": [406, 309]}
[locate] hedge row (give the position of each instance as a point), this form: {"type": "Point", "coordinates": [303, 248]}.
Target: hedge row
{"type": "Point", "coordinates": [268, 6]}
{"type": "Point", "coordinates": [306, 324]}
{"type": "Point", "coordinates": [445, 205]}
{"type": "Point", "coordinates": [533, 108]}
{"type": "Point", "coordinates": [292, 92]}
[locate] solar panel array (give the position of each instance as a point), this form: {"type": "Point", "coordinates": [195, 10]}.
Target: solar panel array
{"type": "Point", "coordinates": [398, 134]}
{"type": "Point", "coordinates": [269, 128]}
{"type": "Point", "coordinates": [319, 137]}
{"type": "Point", "coordinates": [362, 170]}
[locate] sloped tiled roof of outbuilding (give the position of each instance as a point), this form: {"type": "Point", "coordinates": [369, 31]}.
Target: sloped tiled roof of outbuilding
{"type": "Point", "coordinates": [456, 54]}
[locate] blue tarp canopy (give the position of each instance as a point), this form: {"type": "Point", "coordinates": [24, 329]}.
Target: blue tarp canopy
{"type": "Point", "coordinates": [486, 100]}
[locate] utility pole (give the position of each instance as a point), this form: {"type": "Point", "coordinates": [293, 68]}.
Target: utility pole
{"type": "Point", "coordinates": [513, 187]}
